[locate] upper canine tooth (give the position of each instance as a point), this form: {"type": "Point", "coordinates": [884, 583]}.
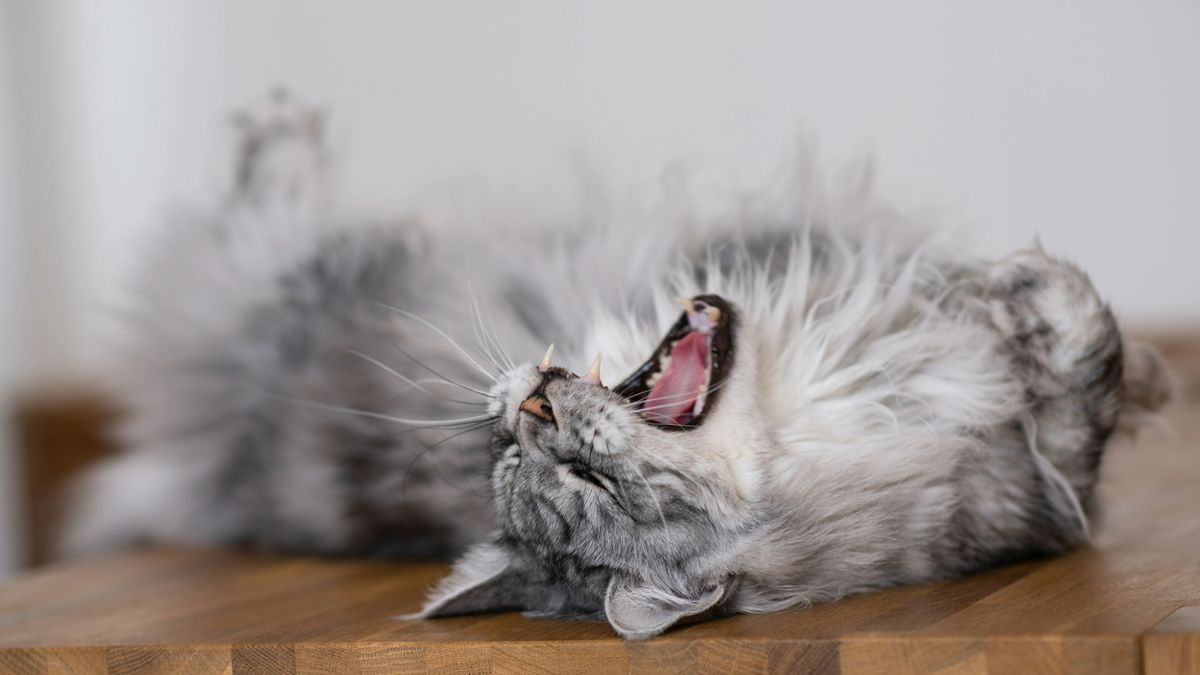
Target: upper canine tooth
{"type": "Point", "coordinates": [548, 359]}
{"type": "Point", "coordinates": [593, 374]}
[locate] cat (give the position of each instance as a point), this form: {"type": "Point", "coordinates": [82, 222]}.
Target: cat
{"type": "Point", "coordinates": [816, 401]}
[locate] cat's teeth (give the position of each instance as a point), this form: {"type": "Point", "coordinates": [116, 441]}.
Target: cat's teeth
{"type": "Point", "coordinates": [593, 374]}
{"type": "Point", "coordinates": [548, 359]}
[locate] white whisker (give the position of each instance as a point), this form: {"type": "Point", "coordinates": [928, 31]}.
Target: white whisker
{"type": "Point", "coordinates": [487, 342]}
{"type": "Point", "coordinates": [635, 404]}
{"type": "Point", "coordinates": [445, 336]}
{"type": "Point", "coordinates": [393, 372]}
{"type": "Point", "coordinates": [429, 451]}
{"type": "Point", "coordinates": [498, 340]}
{"type": "Point", "coordinates": [413, 423]}
{"type": "Point", "coordinates": [443, 378]}
{"type": "Point", "coordinates": [477, 328]}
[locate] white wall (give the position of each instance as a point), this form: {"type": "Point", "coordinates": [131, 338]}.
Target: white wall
{"type": "Point", "coordinates": [11, 247]}
{"type": "Point", "coordinates": [1076, 120]}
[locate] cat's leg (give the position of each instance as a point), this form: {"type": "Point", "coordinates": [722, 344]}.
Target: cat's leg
{"type": "Point", "coordinates": [267, 363]}
{"type": "Point", "coordinates": [281, 156]}
{"type": "Point", "coordinates": [181, 373]}
{"type": "Point", "coordinates": [209, 263]}
{"type": "Point", "coordinates": [1067, 348]}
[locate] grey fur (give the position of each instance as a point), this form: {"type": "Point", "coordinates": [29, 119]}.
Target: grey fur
{"type": "Point", "coordinates": [895, 413]}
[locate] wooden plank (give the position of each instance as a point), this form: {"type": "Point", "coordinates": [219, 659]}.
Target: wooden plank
{"type": "Point", "coordinates": [1128, 604]}
{"type": "Point", "coordinates": [1173, 645]}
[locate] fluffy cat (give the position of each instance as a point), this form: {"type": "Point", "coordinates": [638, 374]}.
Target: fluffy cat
{"type": "Point", "coordinates": [837, 405]}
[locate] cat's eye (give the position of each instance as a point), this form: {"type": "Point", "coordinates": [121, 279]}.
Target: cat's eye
{"type": "Point", "coordinates": [589, 475]}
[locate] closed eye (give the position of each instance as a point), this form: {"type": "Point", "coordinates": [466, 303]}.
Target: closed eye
{"type": "Point", "coordinates": [590, 475]}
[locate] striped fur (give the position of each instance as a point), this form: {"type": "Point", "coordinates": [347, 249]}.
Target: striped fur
{"type": "Point", "coordinates": [896, 412]}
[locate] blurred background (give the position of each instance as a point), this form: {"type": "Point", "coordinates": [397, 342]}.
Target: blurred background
{"type": "Point", "coordinates": [1076, 121]}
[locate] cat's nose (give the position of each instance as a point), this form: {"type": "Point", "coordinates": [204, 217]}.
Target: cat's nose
{"type": "Point", "coordinates": [538, 406]}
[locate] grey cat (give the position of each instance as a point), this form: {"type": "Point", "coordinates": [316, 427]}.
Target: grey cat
{"type": "Point", "coordinates": [816, 401]}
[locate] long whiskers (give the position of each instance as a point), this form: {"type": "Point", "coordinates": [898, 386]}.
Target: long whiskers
{"type": "Point", "coordinates": [428, 450]}
{"type": "Point", "coordinates": [481, 340]}
{"type": "Point", "coordinates": [453, 343]}
{"type": "Point", "coordinates": [411, 423]}
{"type": "Point", "coordinates": [664, 402]}
{"type": "Point", "coordinates": [498, 338]}
{"type": "Point", "coordinates": [634, 401]}
{"type": "Point", "coordinates": [489, 342]}
{"type": "Point", "coordinates": [413, 383]}
{"type": "Point", "coordinates": [441, 377]}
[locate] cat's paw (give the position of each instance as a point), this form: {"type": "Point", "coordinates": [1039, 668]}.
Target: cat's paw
{"type": "Point", "coordinates": [281, 153]}
{"type": "Point", "coordinates": [1048, 311]}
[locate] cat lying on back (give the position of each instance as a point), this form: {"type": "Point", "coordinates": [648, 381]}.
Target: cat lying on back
{"type": "Point", "coordinates": [793, 405]}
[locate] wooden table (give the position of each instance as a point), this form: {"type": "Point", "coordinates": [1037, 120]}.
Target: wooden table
{"type": "Point", "coordinates": [1130, 604]}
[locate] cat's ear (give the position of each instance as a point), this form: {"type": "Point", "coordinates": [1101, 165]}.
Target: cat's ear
{"type": "Point", "coordinates": [638, 610]}
{"type": "Point", "coordinates": [483, 580]}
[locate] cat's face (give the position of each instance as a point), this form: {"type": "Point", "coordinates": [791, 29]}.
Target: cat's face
{"type": "Point", "coordinates": [617, 502]}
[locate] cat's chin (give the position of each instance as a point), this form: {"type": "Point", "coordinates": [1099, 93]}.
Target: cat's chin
{"type": "Point", "coordinates": [679, 385]}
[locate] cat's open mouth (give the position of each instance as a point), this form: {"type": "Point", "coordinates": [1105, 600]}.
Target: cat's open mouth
{"type": "Point", "coordinates": [679, 384]}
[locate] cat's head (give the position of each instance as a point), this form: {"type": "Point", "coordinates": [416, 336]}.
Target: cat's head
{"type": "Point", "coordinates": [627, 503]}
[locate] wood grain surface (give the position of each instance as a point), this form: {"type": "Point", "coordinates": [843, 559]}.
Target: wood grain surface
{"type": "Point", "coordinates": [1130, 603]}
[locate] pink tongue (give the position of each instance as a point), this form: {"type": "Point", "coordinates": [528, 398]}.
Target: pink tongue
{"type": "Point", "coordinates": [674, 396]}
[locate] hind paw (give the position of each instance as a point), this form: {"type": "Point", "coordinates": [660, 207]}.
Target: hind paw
{"type": "Point", "coordinates": [281, 154]}
{"type": "Point", "coordinates": [1048, 311]}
